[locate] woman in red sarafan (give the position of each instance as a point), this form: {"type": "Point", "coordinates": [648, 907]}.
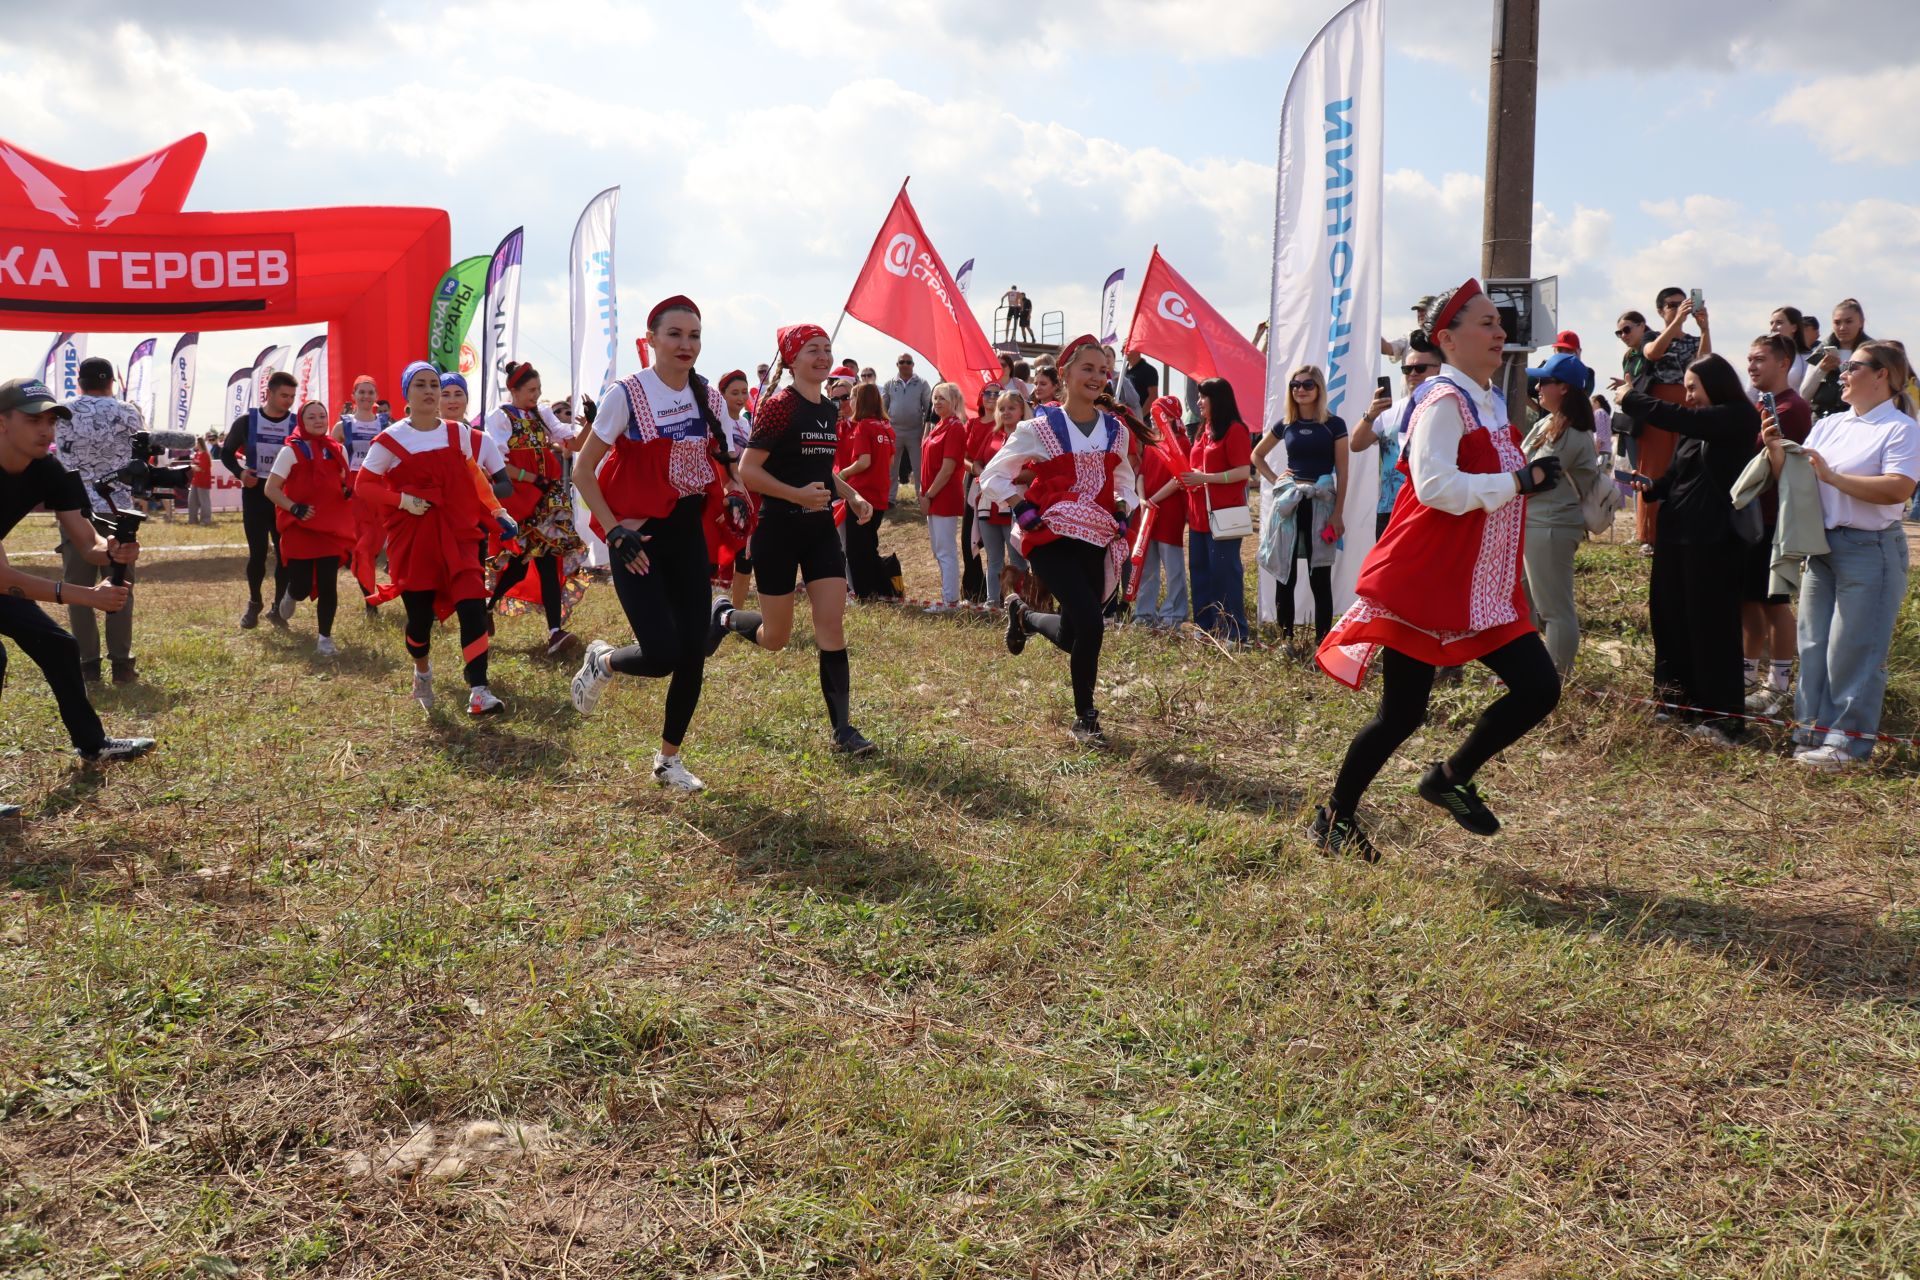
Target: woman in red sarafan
{"type": "Point", "coordinates": [1071, 516]}
{"type": "Point", "coordinates": [535, 444]}
{"type": "Point", "coordinates": [421, 473]}
{"type": "Point", "coordinates": [1444, 585]}
{"type": "Point", "coordinates": [317, 528]}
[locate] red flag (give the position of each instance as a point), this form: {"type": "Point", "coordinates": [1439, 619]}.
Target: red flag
{"type": "Point", "coordinates": [905, 292]}
{"type": "Point", "coordinates": [1173, 323]}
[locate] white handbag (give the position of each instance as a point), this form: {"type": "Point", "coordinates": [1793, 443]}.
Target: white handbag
{"type": "Point", "coordinates": [1227, 523]}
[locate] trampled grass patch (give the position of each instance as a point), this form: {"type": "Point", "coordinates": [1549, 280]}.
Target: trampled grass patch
{"type": "Point", "coordinates": [329, 987]}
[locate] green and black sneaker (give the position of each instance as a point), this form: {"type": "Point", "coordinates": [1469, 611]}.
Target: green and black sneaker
{"type": "Point", "coordinates": [1341, 835]}
{"type": "Point", "coordinates": [1461, 799]}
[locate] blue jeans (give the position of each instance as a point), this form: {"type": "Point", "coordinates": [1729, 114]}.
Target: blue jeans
{"type": "Point", "coordinates": [1849, 599]}
{"type": "Point", "coordinates": [1219, 584]}
{"type": "Point", "coordinates": [1163, 560]}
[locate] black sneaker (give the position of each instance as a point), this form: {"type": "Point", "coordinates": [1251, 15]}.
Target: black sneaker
{"type": "Point", "coordinates": [1340, 835]}
{"type": "Point", "coordinates": [1461, 799]}
{"type": "Point", "coordinates": [850, 741]}
{"type": "Point", "coordinates": [251, 618]}
{"type": "Point", "coordinates": [277, 619]}
{"type": "Point", "coordinates": [717, 619]}
{"type": "Point", "coordinates": [118, 749]}
{"type": "Point", "coordinates": [1087, 732]}
{"type": "Point", "coordinates": [1016, 623]}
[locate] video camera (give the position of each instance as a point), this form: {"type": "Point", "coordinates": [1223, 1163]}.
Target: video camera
{"type": "Point", "coordinates": [141, 477]}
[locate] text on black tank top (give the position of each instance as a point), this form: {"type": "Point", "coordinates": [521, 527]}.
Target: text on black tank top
{"type": "Point", "coordinates": [801, 438]}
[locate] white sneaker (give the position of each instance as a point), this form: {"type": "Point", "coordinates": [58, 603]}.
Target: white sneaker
{"type": "Point", "coordinates": [482, 702]}
{"type": "Point", "coordinates": [671, 771]}
{"type": "Point", "coordinates": [1827, 759]}
{"type": "Point", "coordinates": [287, 606]}
{"type": "Point", "coordinates": [593, 677]}
{"type": "Point", "coordinates": [939, 608]}
{"type": "Point", "coordinates": [1765, 702]}
{"type": "Point", "coordinates": [423, 689]}
{"type": "Point", "coordinates": [325, 647]}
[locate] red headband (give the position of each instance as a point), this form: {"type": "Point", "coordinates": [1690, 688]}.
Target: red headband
{"type": "Point", "coordinates": [521, 372]}
{"type": "Point", "coordinates": [729, 377]}
{"type": "Point", "coordinates": [796, 336]}
{"type": "Point", "coordinates": [366, 378]}
{"type": "Point", "coordinates": [1072, 349]}
{"type": "Point", "coordinates": [678, 302]}
{"type": "Point", "coordinates": [1461, 297]}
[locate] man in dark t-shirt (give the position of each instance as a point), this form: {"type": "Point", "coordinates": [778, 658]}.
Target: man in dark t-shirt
{"type": "Point", "coordinates": [252, 443]}
{"type": "Point", "coordinates": [29, 478]}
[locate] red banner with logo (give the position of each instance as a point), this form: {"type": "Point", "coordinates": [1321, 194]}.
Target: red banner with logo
{"type": "Point", "coordinates": [1173, 323]}
{"type": "Point", "coordinates": [55, 272]}
{"type": "Point", "coordinates": [905, 292]}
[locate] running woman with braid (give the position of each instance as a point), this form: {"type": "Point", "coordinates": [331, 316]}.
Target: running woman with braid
{"type": "Point", "coordinates": [540, 504]}
{"type": "Point", "coordinates": [317, 531]}
{"type": "Point", "coordinates": [789, 462]}
{"type": "Point", "coordinates": [1443, 586]}
{"type": "Point", "coordinates": [656, 446]}
{"type": "Point", "coordinates": [1071, 520]}
{"type": "Point", "coordinates": [421, 473]}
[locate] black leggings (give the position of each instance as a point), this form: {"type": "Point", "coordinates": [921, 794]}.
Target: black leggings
{"type": "Point", "coordinates": [1533, 689]}
{"type": "Point", "coordinates": [548, 568]}
{"type": "Point", "coordinates": [304, 575]}
{"type": "Point", "coordinates": [1075, 572]}
{"type": "Point", "coordinates": [1319, 581]}
{"type": "Point", "coordinates": [667, 607]}
{"type": "Point", "coordinates": [473, 631]}
{"type": "Point", "coordinates": [863, 557]}
{"type": "Point", "coordinates": [258, 518]}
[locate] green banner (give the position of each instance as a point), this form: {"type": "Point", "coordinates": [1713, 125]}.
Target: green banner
{"type": "Point", "coordinates": [455, 303]}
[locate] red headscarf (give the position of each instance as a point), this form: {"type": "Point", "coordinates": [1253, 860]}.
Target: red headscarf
{"type": "Point", "coordinates": [796, 336]}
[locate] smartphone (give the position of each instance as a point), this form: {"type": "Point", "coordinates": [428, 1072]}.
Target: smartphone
{"type": "Point", "coordinates": [1699, 300]}
{"type": "Point", "coordinates": [1386, 387]}
{"type": "Point", "coordinates": [1630, 476]}
{"type": "Point", "coordinates": [1767, 404]}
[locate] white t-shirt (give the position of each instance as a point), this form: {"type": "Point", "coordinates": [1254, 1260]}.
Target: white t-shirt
{"type": "Point", "coordinates": [1880, 442]}
{"type": "Point", "coordinates": [381, 460]}
{"type": "Point", "coordinates": [499, 427]}
{"type": "Point", "coordinates": [671, 409]}
{"type": "Point", "coordinates": [283, 461]}
{"type": "Point", "coordinates": [738, 431]}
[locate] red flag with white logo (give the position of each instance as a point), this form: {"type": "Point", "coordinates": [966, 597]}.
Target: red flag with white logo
{"type": "Point", "coordinates": [905, 292]}
{"type": "Point", "coordinates": [1173, 323]}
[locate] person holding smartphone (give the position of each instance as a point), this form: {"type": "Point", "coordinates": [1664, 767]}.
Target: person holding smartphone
{"type": "Point", "coordinates": [1658, 362]}
{"type": "Point", "coordinates": [1385, 423]}
{"type": "Point", "coordinates": [1766, 620]}
{"type": "Point", "coordinates": [30, 478]}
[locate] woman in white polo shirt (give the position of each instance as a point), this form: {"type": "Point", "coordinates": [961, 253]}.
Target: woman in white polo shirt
{"type": "Point", "coordinates": [1868, 460]}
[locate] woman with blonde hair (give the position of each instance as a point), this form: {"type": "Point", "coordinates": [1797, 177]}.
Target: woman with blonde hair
{"type": "Point", "coordinates": [992, 521]}
{"type": "Point", "coordinates": [1314, 442]}
{"type": "Point", "coordinates": [943, 487]}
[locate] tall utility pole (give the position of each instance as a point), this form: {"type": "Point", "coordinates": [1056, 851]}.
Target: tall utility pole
{"type": "Point", "coordinates": [1507, 250]}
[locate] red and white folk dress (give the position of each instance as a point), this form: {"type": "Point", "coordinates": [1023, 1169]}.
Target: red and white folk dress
{"type": "Point", "coordinates": [661, 449]}
{"type": "Point", "coordinates": [1445, 582]}
{"type": "Point", "coordinates": [1078, 478]}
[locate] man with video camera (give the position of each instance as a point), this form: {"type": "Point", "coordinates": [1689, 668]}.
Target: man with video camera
{"type": "Point", "coordinates": [30, 478]}
{"type": "Point", "coordinates": [96, 441]}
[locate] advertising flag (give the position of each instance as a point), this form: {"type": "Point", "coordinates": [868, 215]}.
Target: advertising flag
{"type": "Point", "coordinates": [142, 387]}
{"type": "Point", "coordinates": [239, 388]}
{"type": "Point", "coordinates": [180, 373]}
{"type": "Point", "coordinates": [455, 302]}
{"type": "Point", "coordinates": [1110, 308]}
{"type": "Point", "coordinates": [596, 318]}
{"type": "Point", "coordinates": [62, 371]}
{"type": "Point", "coordinates": [500, 309]}
{"type": "Point", "coordinates": [963, 277]}
{"type": "Point", "coordinates": [265, 365]}
{"type": "Point", "coordinates": [904, 291]}
{"type": "Point", "coordinates": [1173, 323]}
{"type": "Point", "coordinates": [1327, 259]}
{"type": "Point", "coordinates": [310, 367]}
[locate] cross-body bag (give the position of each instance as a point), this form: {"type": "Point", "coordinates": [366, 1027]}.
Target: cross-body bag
{"type": "Point", "coordinates": [1227, 523]}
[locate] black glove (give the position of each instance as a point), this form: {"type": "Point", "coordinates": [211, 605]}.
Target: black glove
{"type": "Point", "coordinates": [1120, 512]}
{"type": "Point", "coordinates": [300, 511]}
{"type": "Point", "coordinates": [541, 481]}
{"type": "Point", "coordinates": [1549, 468]}
{"type": "Point", "coordinates": [625, 545]}
{"type": "Point", "coordinates": [1025, 514]}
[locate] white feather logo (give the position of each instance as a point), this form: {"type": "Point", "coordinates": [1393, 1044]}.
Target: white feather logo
{"type": "Point", "coordinates": [42, 192]}
{"type": "Point", "coordinates": [125, 198]}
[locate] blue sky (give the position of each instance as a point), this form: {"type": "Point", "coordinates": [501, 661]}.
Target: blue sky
{"type": "Point", "coordinates": [1758, 151]}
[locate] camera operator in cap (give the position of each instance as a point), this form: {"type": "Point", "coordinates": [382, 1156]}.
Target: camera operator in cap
{"type": "Point", "coordinates": [30, 478]}
{"type": "Point", "coordinates": [96, 441]}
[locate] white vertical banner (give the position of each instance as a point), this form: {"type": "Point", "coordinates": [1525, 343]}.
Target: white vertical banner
{"type": "Point", "coordinates": [1327, 266]}
{"type": "Point", "coordinates": [500, 320]}
{"type": "Point", "coordinates": [62, 369]}
{"type": "Point", "coordinates": [239, 392]}
{"type": "Point", "coordinates": [142, 387]}
{"type": "Point", "coordinates": [265, 365]}
{"type": "Point", "coordinates": [1110, 308]}
{"type": "Point", "coordinates": [180, 374]}
{"type": "Point", "coordinates": [596, 317]}
{"type": "Point", "coordinates": [310, 367]}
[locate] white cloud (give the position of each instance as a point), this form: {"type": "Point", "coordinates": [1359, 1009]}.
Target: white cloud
{"type": "Point", "coordinates": [1864, 119]}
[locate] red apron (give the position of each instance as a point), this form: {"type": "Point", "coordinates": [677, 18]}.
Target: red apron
{"type": "Point", "coordinates": [439, 551]}
{"type": "Point", "coordinates": [319, 479]}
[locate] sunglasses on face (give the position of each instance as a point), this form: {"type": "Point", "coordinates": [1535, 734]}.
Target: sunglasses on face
{"type": "Point", "coordinates": [1304, 386]}
{"type": "Point", "coordinates": [1411, 369]}
{"type": "Point", "coordinates": [1623, 331]}
{"type": "Point", "coordinates": [1858, 366]}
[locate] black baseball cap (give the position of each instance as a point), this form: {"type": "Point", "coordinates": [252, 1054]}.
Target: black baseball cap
{"type": "Point", "coordinates": [29, 395]}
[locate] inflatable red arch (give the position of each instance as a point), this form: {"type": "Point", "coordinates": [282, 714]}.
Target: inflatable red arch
{"type": "Point", "coordinates": [110, 250]}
